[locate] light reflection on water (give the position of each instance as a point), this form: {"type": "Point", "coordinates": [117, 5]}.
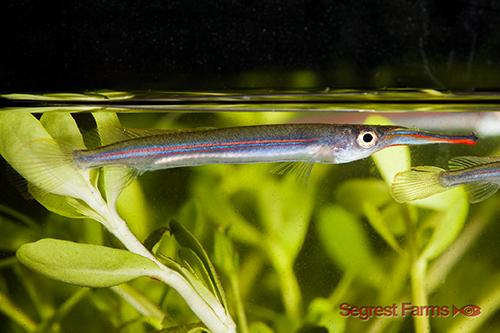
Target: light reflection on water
{"type": "Point", "coordinates": [351, 193]}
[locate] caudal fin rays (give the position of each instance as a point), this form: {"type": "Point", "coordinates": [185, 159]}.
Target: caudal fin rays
{"type": "Point", "coordinates": [45, 163]}
{"type": "Point", "coordinates": [417, 183]}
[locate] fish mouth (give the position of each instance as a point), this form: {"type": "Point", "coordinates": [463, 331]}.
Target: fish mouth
{"type": "Point", "coordinates": [408, 136]}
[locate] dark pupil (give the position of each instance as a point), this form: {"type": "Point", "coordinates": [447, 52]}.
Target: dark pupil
{"type": "Point", "coordinates": [367, 137]}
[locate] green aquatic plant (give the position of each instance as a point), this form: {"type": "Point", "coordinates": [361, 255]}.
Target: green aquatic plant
{"type": "Point", "coordinates": [292, 259]}
{"type": "Point", "coordinates": [77, 194]}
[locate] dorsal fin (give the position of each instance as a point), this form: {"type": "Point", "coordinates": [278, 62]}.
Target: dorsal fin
{"type": "Point", "coordinates": [462, 162]}
{"type": "Point", "coordinates": [112, 134]}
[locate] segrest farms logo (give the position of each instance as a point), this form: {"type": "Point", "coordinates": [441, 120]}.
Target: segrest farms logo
{"type": "Point", "coordinates": [364, 313]}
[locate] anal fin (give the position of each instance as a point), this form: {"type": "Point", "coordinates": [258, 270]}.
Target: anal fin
{"type": "Point", "coordinates": [302, 170]}
{"type": "Point", "coordinates": [481, 191]}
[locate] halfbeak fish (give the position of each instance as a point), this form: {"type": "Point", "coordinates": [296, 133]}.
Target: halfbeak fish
{"type": "Point", "coordinates": [144, 150]}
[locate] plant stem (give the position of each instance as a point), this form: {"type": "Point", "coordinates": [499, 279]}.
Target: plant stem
{"type": "Point", "coordinates": [242, 319]}
{"type": "Point", "coordinates": [212, 315]}
{"type": "Point", "coordinates": [16, 314]}
{"type": "Point", "coordinates": [419, 293]}
{"type": "Point", "coordinates": [290, 291]}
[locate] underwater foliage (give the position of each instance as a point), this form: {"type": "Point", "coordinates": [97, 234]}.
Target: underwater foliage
{"type": "Point", "coordinates": [234, 248]}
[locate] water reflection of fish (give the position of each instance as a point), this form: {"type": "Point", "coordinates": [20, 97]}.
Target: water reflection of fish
{"type": "Point", "coordinates": [143, 150]}
{"type": "Point", "coordinates": [481, 175]}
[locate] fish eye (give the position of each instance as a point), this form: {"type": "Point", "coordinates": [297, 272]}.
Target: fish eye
{"type": "Point", "coordinates": [367, 138]}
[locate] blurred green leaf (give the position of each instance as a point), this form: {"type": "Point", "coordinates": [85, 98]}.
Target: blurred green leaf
{"type": "Point", "coordinates": [346, 242]}
{"type": "Point", "coordinates": [224, 255]}
{"type": "Point", "coordinates": [323, 312]}
{"type": "Point", "coordinates": [285, 213]}
{"type": "Point", "coordinates": [84, 264]}
{"type": "Point", "coordinates": [260, 327]}
{"type": "Point", "coordinates": [191, 217]}
{"type": "Point", "coordinates": [14, 234]}
{"type": "Point", "coordinates": [214, 200]}
{"type": "Point", "coordinates": [377, 221]}
{"type": "Point", "coordinates": [393, 218]}
{"type": "Point", "coordinates": [449, 224]}
{"type": "Point", "coordinates": [352, 193]}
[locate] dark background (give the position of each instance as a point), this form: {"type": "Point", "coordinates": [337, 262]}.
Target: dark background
{"type": "Point", "coordinates": [126, 44]}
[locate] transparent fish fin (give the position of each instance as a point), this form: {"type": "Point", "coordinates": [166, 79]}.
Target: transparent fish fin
{"type": "Point", "coordinates": [417, 183]}
{"type": "Point", "coordinates": [462, 162]}
{"type": "Point", "coordinates": [112, 134]}
{"type": "Point", "coordinates": [19, 182]}
{"type": "Point", "coordinates": [302, 170]}
{"type": "Point", "coordinates": [91, 138]}
{"type": "Point", "coordinates": [116, 179]}
{"type": "Point", "coordinates": [285, 167]}
{"type": "Point", "coordinates": [46, 163]}
{"type": "Point", "coordinates": [481, 191]}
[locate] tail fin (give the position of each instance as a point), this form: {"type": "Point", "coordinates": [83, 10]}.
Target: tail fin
{"type": "Point", "coordinates": [45, 163]}
{"type": "Point", "coordinates": [417, 183]}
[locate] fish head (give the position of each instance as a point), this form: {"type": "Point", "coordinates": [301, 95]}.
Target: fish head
{"type": "Point", "coordinates": [360, 141]}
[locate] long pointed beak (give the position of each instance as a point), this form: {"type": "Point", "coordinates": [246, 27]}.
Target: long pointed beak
{"type": "Point", "coordinates": [408, 136]}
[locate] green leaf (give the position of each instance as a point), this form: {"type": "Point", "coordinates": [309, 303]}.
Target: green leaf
{"type": "Point", "coordinates": [193, 280]}
{"type": "Point", "coordinates": [195, 265]}
{"type": "Point", "coordinates": [61, 126]}
{"type": "Point", "coordinates": [91, 96]}
{"type": "Point", "coordinates": [186, 239]}
{"type": "Point", "coordinates": [64, 206]}
{"type": "Point", "coordinates": [84, 264]}
{"type": "Point", "coordinates": [17, 129]}
{"type": "Point", "coordinates": [104, 119]}
{"type": "Point", "coordinates": [449, 225]}
{"type": "Point", "coordinates": [32, 152]}
{"type": "Point", "coordinates": [133, 207]}
{"type": "Point", "coordinates": [346, 242]}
